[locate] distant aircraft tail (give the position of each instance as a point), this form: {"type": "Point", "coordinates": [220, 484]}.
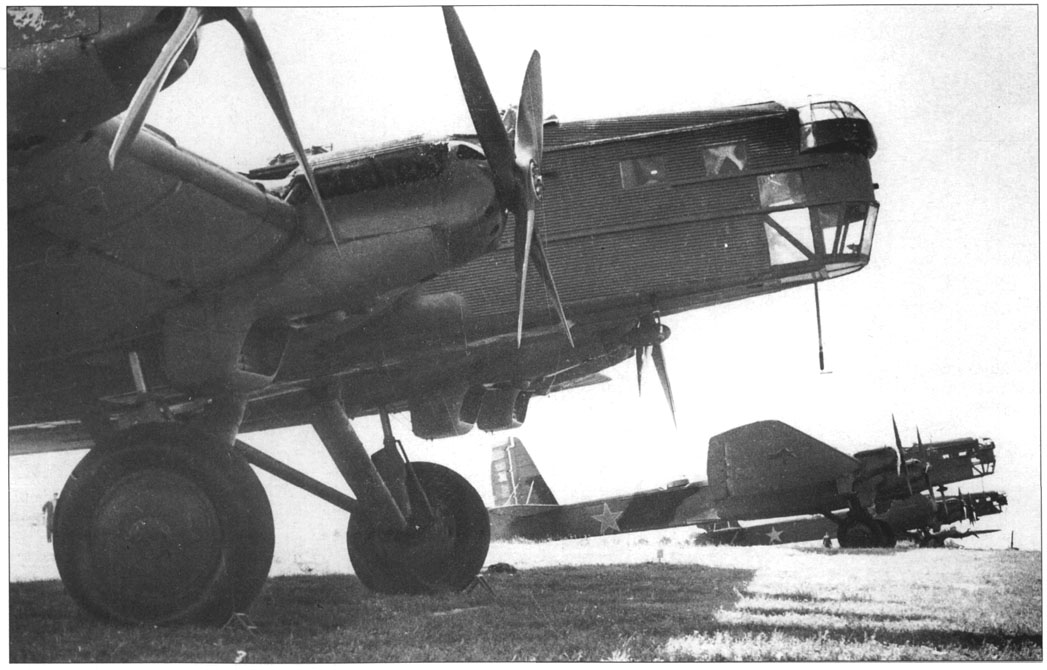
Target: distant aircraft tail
{"type": "Point", "coordinates": [515, 479]}
{"type": "Point", "coordinates": [770, 469]}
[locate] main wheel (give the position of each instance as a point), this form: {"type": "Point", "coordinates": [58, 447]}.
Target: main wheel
{"type": "Point", "coordinates": [887, 533]}
{"type": "Point", "coordinates": [163, 524]}
{"type": "Point", "coordinates": [444, 554]}
{"type": "Point", "coordinates": [859, 533]}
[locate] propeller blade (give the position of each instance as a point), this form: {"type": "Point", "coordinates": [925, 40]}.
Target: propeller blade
{"type": "Point", "coordinates": [483, 110]}
{"type": "Point", "coordinates": [516, 167]}
{"type": "Point", "coordinates": [903, 467]}
{"type": "Point", "coordinates": [926, 467]}
{"type": "Point", "coordinates": [262, 65]}
{"type": "Point", "coordinates": [972, 515]}
{"type": "Point", "coordinates": [154, 80]}
{"type": "Point", "coordinates": [530, 123]}
{"type": "Point", "coordinates": [663, 377]}
{"type": "Point", "coordinates": [523, 251]}
{"type": "Point", "coordinates": [542, 264]}
{"type": "Point", "coordinates": [641, 353]}
{"type": "Point", "coordinates": [261, 61]}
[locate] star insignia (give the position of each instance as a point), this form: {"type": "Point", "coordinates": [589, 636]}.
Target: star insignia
{"type": "Point", "coordinates": [775, 536]}
{"type": "Point", "coordinates": [608, 520]}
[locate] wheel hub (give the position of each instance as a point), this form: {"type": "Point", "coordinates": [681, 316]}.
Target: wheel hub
{"type": "Point", "coordinates": [157, 536]}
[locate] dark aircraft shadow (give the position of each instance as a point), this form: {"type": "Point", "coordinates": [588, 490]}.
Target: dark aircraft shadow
{"type": "Point", "coordinates": [593, 612]}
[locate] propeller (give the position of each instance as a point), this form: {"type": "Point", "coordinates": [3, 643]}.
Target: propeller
{"type": "Point", "coordinates": [516, 165]}
{"type": "Point", "coordinates": [647, 336]}
{"type": "Point", "coordinates": [903, 466]}
{"type": "Point", "coordinates": [262, 65]}
{"type": "Point", "coordinates": [968, 507]}
{"type": "Point", "coordinates": [926, 467]}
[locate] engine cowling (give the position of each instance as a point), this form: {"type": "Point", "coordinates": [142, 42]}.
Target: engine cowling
{"type": "Point", "coordinates": [502, 409]}
{"type": "Point", "coordinates": [439, 415]}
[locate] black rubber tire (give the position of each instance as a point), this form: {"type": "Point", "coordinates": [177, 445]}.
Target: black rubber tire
{"type": "Point", "coordinates": [856, 533]}
{"type": "Point", "coordinates": [887, 533]}
{"type": "Point", "coordinates": [444, 556]}
{"type": "Point", "coordinates": [162, 524]}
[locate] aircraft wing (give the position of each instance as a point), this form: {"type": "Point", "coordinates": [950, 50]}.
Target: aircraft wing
{"type": "Point", "coordinates": [47, 437]}
{"type": "Point", "coordinates": [116, 247]}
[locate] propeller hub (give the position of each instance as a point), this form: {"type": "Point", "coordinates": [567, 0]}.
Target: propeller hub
{"type": "Point", "coordinates": [647, 333]}
{"type": "Point", "coordinates": [536, 180]}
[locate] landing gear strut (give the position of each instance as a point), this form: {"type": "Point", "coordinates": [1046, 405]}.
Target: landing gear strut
{"type": "Point", "coordinates": [860, 530]}
{"type": "Point", "coordinates": [419, 528]}
{"type": "Point", "coordinates": [165, 522]}
{"type": "Point", "coordinates": [442, 553]}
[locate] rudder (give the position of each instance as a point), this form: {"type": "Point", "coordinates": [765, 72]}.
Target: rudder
{"type": "Point", "coordinates": [515, 479]}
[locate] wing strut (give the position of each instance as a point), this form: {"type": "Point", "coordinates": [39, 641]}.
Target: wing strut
{"type": "Point", "coordinates": [262, 65]}
{"type": "Point", "coordinates": [818, 318]}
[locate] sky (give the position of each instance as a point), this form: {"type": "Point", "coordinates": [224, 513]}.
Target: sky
{"type": "Point", "coordinates": [941, 329]}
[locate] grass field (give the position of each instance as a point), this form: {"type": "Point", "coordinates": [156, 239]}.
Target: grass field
{"type": "Point", "coordinates": [642, 597]}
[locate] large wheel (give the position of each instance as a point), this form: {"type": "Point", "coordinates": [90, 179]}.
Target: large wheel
{"type": "Point", "coordinates": [444, 554]}
{"type": "Point", "coordinates": [887, 533]}
{"type": "Point", "coordinates": [856, 532]}
{"type": "Point", "coordinates": [163, 524]}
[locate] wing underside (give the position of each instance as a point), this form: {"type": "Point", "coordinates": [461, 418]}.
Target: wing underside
{"type": "Point", "coordinates": [94, 253]}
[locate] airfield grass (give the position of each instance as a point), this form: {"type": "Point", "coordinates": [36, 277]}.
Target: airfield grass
{"type": "Point", "coordinates": [626, 598]}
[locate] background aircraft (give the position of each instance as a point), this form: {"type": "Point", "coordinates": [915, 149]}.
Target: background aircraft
{"type": "Point", "coordinates": [918, 519]}
{"type": "Point", "coordinates": [162, 304]}
{"type": "Point", "coordinates": [758, 471]}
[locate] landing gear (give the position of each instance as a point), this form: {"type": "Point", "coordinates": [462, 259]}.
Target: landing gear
{"type": "Point", "coordinates": [856, 532]}
{"type": "Point", "coordinates": [443, 551]}
{"type": "Point", "coordinates": [417, 527]}
{"type": "Point", "coordinates": [163, 524]}
{"type": "Point", "coordinates": [861, 532]}
{"type": "Point", "coordinates": [889, 540]}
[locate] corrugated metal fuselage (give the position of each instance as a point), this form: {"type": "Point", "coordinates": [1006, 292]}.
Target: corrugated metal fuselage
{"type": "Point", "coordinates": [662, 213]}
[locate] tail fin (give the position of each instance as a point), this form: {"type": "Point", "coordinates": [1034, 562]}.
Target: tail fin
{"type": "Point", "coordinates": [515, 479]}
{"type": "Point", "coordinates": [770, 469]}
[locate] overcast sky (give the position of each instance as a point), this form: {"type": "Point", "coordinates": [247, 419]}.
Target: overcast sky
{"type": "Point", "coordinates": [941, 329]}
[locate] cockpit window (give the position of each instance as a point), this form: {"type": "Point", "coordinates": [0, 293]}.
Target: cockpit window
{"type": "Point", "coordinates": [839, 235]}
{"type": "Point", "coordinates": [826, 111]}
{"type": "Point", "coordinates": [847, 227]}
{"type": "Point", "coordinates": [789, 238]}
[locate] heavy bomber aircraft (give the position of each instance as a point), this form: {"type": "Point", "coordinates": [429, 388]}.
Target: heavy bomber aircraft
{"type": "Point", "coordinates": [921, 519]}
{"type": "Point", "coordinates": [160, 305]}
{"type": "Point", "coordinates": [762, 470]}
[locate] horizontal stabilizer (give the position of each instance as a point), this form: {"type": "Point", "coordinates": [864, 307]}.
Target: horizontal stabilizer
{"type": "Point", "coordinates": [515, 479]}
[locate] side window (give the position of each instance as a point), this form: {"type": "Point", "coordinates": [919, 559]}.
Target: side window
{"type": "Point", "coordinates": [640, 172]}
{"type": "Point", "coordinates": [724, 159]}
{"type": "Point", "coordinates": [781, 189]}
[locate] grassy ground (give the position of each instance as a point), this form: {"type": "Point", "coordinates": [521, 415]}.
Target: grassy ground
{"type": "Point", "coordinates": [640, 598]}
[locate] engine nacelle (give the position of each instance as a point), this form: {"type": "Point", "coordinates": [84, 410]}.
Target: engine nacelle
{"type": "Point", "coordinates": [438, 415]}
{"type": "Point", "coordinates": [502, 409]}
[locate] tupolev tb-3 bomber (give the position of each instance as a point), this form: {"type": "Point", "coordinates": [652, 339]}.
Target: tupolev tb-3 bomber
{"type": "Point", "coordinates": [922, 519]}
{"type": "Point", "coordinates": [160, 305]}
{"type": "Point", "coordinates": [762, 470]}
